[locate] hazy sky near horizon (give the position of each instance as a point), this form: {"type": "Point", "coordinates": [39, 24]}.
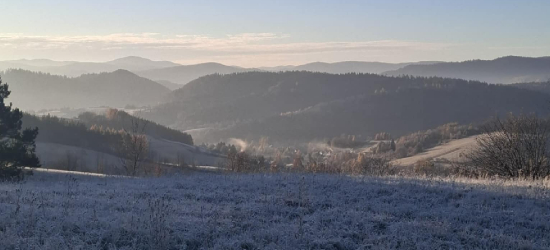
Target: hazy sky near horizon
{"type": "Point", "coordinates": [269, 33]}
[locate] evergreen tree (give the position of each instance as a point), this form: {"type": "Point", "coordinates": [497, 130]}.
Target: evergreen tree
{"type": "Point", "coordinates": [17, 146]}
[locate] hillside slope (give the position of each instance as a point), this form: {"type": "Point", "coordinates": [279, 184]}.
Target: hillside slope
{"type": "Point", "coordinates": [34, 91]}
{"type": "Point", "coordinates": [345, 67]}
{"type": "Point", "coordinates": [94, 139]}
{"type": "Point", "coordinates": [186, 73]}
{"type": "Point", "coordinates": [510, 69]}
{"type": "Point", "coordinates": [135, 63]}
{"type": "Point", "coordinates": [450, 151]}
{"type": "Point", "coordinates": [303, 106]}
{"type": "Point", "coordinates": [543, 87]}
{"type": "Point", "coordinates": [119, 120]}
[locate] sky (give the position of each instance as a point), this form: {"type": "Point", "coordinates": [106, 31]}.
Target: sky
{"type": "Point", "coordinates": [277, 32]}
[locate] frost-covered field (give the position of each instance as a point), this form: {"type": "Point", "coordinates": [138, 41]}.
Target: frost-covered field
{"type": "Point", "coordinates": [282, 211]}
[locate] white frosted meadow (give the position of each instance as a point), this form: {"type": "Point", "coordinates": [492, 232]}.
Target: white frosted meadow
{"type": "Point", "coordinates": [279, 211]}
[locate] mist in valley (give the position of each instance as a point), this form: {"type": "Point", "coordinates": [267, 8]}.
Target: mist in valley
{"type": "Point", "coordinates": [274, 125]}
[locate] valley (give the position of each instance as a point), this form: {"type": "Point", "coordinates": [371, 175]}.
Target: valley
{"type": "Point", "coordinates": [248, 125]}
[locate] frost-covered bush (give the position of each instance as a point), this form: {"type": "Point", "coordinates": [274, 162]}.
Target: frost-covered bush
{"type": "Point", "coordinates": [517, 146]}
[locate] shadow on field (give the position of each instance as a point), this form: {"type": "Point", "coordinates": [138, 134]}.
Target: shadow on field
{"type": "Point", "coordinates": [280, 211]}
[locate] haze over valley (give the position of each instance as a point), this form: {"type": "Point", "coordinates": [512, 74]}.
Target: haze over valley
{"type": "Point", "coordinates": [274, 124]}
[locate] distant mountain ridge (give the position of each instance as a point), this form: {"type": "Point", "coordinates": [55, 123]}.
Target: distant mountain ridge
{"type": "Point", "coordinates": [186, 73]}
{"type": "Point", "coordinates": [510, 69]}
{"type": "Point", "coordinates": [74, 69]}
{"type": "Point", "coordinates": [135, 63]}
{"type": "Point", "coordinates": [506, 70]}
{"type": "Point", "coordinates": [165, 72]}
{"type": "Point", "coordinates": [183, 74]}
{"type": "Point", "coordinates": [36, 91]}
{"type": "Point", "coordinates": [346, 67]}
{"type": "Point", "coordinates": [38, 62]}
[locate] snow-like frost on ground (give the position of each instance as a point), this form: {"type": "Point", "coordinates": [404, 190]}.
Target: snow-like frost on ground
{"type": "Point", "coordinates": [280, 211]}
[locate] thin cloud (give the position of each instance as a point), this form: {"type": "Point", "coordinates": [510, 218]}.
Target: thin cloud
{"type": "Point", "coordinates": [247, 43]}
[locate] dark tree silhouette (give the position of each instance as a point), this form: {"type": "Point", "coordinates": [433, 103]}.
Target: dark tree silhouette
{"type": "Point", "coordinates": [17, 147]}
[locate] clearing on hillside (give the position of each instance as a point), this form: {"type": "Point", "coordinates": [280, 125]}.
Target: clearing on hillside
{"type": "Point", "coordinates": [450, 151]}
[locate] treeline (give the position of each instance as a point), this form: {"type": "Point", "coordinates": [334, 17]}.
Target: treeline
{"type": "Point", "coordinates": [346, 141]}
{"type": "Point", "coordinates": [120, 120]}
{"type": "Point", "coordinates": [506, 70]}
{"type": "Point", "coordinates": [73, 133]}
{"type": "Point", "coordinates": [221, 148]}
{"type": "Point", "coordinates": [348, 163]}
{"type": "Point", "coordinates": [102, 133]}
{"type": "Point", "coordinates": [297, 107]}
{"type": "Point", "coordinates": [417, 142]}
{"type": "Point", "coordinates": [543, 87]}
{"type": "Point", "coordinates": [355, 141]}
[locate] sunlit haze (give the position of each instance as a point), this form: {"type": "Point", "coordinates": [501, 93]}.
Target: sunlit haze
{"type": "Point", "coordinates": [271, 33]}
{"type": "Point", "coordinates": [274, 124]}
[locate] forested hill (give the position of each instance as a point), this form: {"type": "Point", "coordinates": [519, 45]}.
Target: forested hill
{"type": "Point", "coordinates": [303, 106]}
{"type": "Point", "coordinates": [96, 132]}
{"type": "Point", "coordinates": [119, 120]}
{"type": "Point", "coordinates": [345, 67]}
{"type": "Point", "coordinates": [510, 69]}
{"type": "Point", "coordinates": [185, 73]}
{"type": "Point", "coordinates": [536, 86]}
{"type": "Point", "coordinates": [34, 91]}
{"type": "Point", "coordinates": [61, 131]}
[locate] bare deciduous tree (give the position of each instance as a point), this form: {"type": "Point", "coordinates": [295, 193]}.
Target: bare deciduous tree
{"type": "Point", "coordinates": [514, 147]}
{"type": "Point", "coordinates": [72, 161]}
{"type": "Point", "coordinates": [372, 165]}
{"type": "Point", "coordinates": [134, 146]}
{"type": "Point", "coordinates": [100, 163]}
{"type": "Point", "coordinates": [244, 163]}
{"type": "Point", "coordinates": [180, 159]}
{"type": "Point", "coordinates": [238, 162]}
{"type": "Point", "coordinates": [297, 163]}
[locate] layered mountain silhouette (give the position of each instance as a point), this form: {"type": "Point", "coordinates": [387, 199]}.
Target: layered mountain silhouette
{"type": "Point", "coordinates": [73, 69]}
{"type": "Point", "coordinates": [35, 91]}
{"type": "Point", "coordinates": [304, 106]}
{"type": "Point", "coordinates": [294, 103]}
{"type": "Point", "coordinates": [170, 85]}
{"type": "Point", "coordinates": [185, 73]}
{"type": "Point", "coordinates": [135, 63]}
{"type": "Point", "coordinates": [510, 69]}
{"type": "Point", "coordinates": [346, 67]}
{"type": "Point", "coordinates": [506, 70]}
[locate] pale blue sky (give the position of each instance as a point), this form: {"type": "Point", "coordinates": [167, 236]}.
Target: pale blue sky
{"type": "Point", "coordinates": [266, 33]}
